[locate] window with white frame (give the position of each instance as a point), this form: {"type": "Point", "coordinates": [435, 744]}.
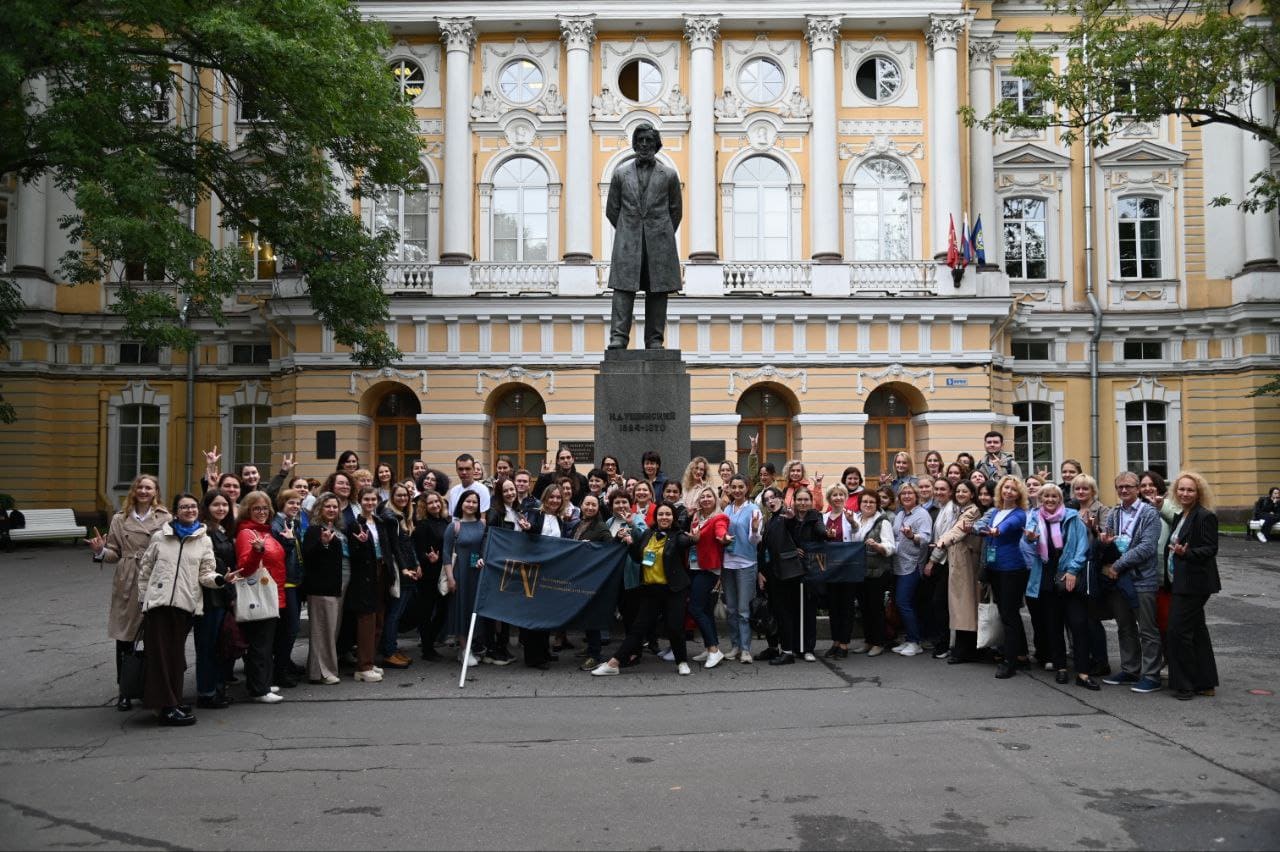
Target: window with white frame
{"type": "Point", "coordinates": [878, 78]}
{"type": "Point", "coordinates": [138, 439]}
{"type": "Point", "coordinates": [409, 79]}
{"type": "Point", "coordinates": [1146, 426]}
{"type": "Point", "coordinates": [1033, 435]}
{"type": "Point", "coordinates": [1138, 236]}
{"type": "Point", "coordinates": [761, 80]}
{"type": "Point", "coordinates": [640, 80]}
{"type": "Point", "coordinates": [403, 211]}
{"type": "Point", "coordinates": [1020, 93]}
{"type": "Point", "coordinates": [520, 81]}
{"type": "Point", "coordinates": [251, 104]}
{"type": "Point", "coordinates": [520, 200]}
{"type": "Point", "coordinates": [1136, 349]}
{"type": "Point", "coordinates": [264, 262]}
{"type": "Point", "coordinates": [250, 436]}
{"type": "Point", "coordinates": [1029, 349]}
{"type": "Point", "coordinates": [1025, 255]}
{"type": "Point", "coordinates": [881, 211]}
{"type": "Point", "coordinates": [761, 210]}
{"type": "Point", "coordinates": [138, 353]}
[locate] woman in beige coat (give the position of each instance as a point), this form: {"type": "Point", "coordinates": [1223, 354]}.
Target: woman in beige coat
{"type": "Point", "coordinates": [961, 552]}
{"type": "Point", "coordinates": [127, 537]}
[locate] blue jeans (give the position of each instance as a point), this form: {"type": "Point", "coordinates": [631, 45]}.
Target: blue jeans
{"type": "Point", "coordinates": [700, 606]}
{"type": "Point", "coordinates": [904, 596]}
{"type": "Point", "coordinates": [208, 666]}
{"type": "Point", "coordinates": [388, 645]}
{"type": "Point", "coordinates": [739, 586]}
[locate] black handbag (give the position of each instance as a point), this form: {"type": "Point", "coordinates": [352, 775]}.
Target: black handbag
{"type": "Point", "coordinates": [133, 672]}
{"type": "Point", "coordinates": [762, 620]}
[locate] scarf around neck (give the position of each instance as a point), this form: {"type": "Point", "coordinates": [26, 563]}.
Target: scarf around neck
{"type": "Point", "coordinates": [183, 530]}
{"type": "Point", "coordinates": [1053, 526]}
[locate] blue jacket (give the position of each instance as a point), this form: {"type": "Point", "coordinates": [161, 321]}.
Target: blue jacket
{"type": "Point", "coordinates": [1008, 553]}
{"type": "Point", "coordinates": [1075, 549]}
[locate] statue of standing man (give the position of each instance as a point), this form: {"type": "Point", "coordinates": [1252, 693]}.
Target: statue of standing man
{"type": "Point", "coordinates": [644, 208]}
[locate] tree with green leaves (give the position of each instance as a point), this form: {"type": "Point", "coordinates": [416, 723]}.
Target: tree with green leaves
{"type": "Point", "coordinates": [1139, 60]}
{"type": "Point", "coordinates": [100, 97]}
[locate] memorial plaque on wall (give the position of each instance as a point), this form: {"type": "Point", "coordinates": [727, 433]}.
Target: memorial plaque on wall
{"type": "Point", "coordinates": [326, 444]}
{"type": "Point", "coordinates": [712, 451]}
{"type": "Point", "coordinates": [583, 451]}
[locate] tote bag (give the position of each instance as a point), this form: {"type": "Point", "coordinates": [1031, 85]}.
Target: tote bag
{"type": "Point", "coordinates": [256, 598]}
{"type": "Point", "coordinates": [990, 629]}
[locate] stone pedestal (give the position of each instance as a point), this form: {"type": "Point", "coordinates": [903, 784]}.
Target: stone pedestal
{"type": "Point", "coordinates": [642, 403]}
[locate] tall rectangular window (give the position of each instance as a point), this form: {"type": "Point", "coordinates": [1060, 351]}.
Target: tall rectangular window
{"type": "Point", "coordinates": [1138, 233]}
{"type": "Point", "coordinates": [1022, 95]}
{"type": "Point", "coordinates": [1033, 436]}
{"type": "Point", "coordinates": [4, 234]}
{"type": "Point", "coordinates": [262, 256]}
{"type": "Point", "coordinates": [139, 441]}
{"type": "Point", "coordinates": [251, 436]}
{"type": "Point", "coordinates": [1025, 255]}
{"type": "Point", "coordinates": [1147, 436]}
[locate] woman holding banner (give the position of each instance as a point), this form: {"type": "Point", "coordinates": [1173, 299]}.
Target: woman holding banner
{"type": "Point", "coordinates": [810, 533]}
{"type": "Point", "coordinates": [462, 541]}
{"type": "Point", "coordinates": [875, 530]}
{"type": "Point", "coordinates": [840, 524]}
{"type": "Point", "coordinates": [660, 550]}
{"type": "Point", "coordinates": [547, 520]}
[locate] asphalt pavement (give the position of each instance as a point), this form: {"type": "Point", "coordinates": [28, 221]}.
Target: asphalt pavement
{"type": "Point", "coordinates": [885, 753]}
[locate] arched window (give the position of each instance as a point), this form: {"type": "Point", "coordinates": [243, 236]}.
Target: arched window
{"type": "Point", "coordinates": [1024, 238]}
{"type": "Point", "coordinates": [1033, 436]}
{"type": "Point", "coordinates": [404, 211]}
{"type": "Point", "coordinates": [1146, 435]}
{"type": "Point", "coordinates": [881, 211]}
{"type": "Point", "coordinates": [761, 211]}
{"type": "Point", "coordinates": [397, 435]}
{"type": "Point", "coordinates": [887, 432]}
{"type": "Point", "coordinates": [518, 429]}
{"type": "Point", "coordinates": [764, 412]}
{"type": "Point", "coordinates": [138, 439]}
{"type": "Point", "coordinates": [520, 211]}
{"type": "Point", "coordinates": [250, 436]}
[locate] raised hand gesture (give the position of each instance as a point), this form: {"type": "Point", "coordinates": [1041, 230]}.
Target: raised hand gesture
{"type": "Point", "coordinates": [286, 463]}
{"type": "Point", "coordinates": [363, 535]}
{"type": "Point", "coordinates": [433, 555]}
{"type": "Point", "coordinates": [212, 457]}
{"type": "Point", "coordinates": [755, 443]}
{"type": "Point", "coordinates": [287, 532]}
{"type": "Point", "coordinates": [547, 466]}
{"type": "Point", "coordinates": [97, 544]}
{"type": "Point", "coordinates": [326, 535]}
{"type": "Point", "coordinates": [259, 543]}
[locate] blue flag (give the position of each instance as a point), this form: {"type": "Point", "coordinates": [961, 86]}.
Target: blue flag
{"type": "Point", "coordinates": [975, 239]}
{"type": "Point", "coordinates": [542, 583]}
{"type": "Point", "coordinates": [836, 562]}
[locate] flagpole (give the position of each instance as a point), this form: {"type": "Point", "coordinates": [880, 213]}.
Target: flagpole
{"type": "Point", "coordinates": [466, 651]}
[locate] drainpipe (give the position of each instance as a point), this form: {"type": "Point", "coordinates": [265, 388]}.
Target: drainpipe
{"type": "Point", "coordinates": [1089, 284]}
{"type": "Point", "coordinates": [192, 106]}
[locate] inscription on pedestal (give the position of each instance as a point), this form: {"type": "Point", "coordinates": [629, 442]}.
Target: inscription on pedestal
{"type": "Point", "coordinates": [642, 403]}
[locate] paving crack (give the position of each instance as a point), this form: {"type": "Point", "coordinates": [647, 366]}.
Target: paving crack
{"type": "Point", "coordinates": [129, 840]}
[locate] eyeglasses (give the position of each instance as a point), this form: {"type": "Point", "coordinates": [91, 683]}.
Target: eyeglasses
{"type": "Point", "coordinates": [189, 508]}
{"type": "Point", "coordinates": [260, 509]}
{"type": "Point", "coordinates": [1125, 487]}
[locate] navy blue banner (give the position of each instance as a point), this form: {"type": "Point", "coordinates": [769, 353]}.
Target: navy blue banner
{"type": "Point", "coordinates": [542, 583]}
{"type": "Point", "coordinates": [836, 562]}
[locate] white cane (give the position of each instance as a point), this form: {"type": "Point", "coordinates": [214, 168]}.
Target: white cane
{"type": "Point", "coordinates": [800, 650]}
{"type": "Point", "coordinates": [466, 652]}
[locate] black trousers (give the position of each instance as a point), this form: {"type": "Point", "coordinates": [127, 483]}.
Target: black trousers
{"type": "Point", "coordinates": [1188, 649]}
{"type": "Point", "coordinates": [1009, 587]}
{"type": "Point", "coordinates": [785, 596]}
{"type": "Point", "coordinates": [164, 631]}
{"type": "Point", "coordinates": [653, 604]}
{"type": "Point", "coordinates": [537, 646]}
{"type": "Point", "coordinates": [1050, 630]}
{"type": "Point", "coordinates": [931, 606]}
{"type": "Point", "coordinates": [871, 602]}
{"type": "Point", "coordinates": [261, 636]}
{"type": "Point", "coordinates": [840, 598]}
{"type": "Point", "coordinates": [1075, 608]}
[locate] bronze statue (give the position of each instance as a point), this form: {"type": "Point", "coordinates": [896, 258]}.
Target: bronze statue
{"type": "Point", "coordinates": [644, 208]}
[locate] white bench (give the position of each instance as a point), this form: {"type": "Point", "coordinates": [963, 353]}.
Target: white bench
{"type": "Point", "coordinates": [1255, 527]}
{"type": "Point", "coordinates": [44, 524]}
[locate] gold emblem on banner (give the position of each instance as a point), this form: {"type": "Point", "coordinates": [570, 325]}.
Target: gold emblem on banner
{"type": "Point", "coordinates": [526, 573]}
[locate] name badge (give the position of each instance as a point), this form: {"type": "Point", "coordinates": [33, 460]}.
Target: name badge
{"type": "Point", "coordinates": [650, 558]}
{"type": "Point", "coordinates": [1122, 544]}
{"type": "Point", "coordinates": [693, 557]}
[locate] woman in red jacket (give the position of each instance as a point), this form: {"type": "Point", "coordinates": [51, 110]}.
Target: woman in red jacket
{"type": "Point", "coordinates": [257, 549]}
{"type": "Point", "coordinates": [710, 527]}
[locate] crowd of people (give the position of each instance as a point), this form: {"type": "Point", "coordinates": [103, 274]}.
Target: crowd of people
{"type": "Point", "coordinates": [372, 556]}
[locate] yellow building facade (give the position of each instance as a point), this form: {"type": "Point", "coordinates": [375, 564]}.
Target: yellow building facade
{"type": "Point", "coordinates": [822, 162]}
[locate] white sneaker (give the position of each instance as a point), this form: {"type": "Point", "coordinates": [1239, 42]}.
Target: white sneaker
{"type": "Point", "coordinates": [897, 649]}
{"type": "Point", "coordinates": [379, 670]}
{"type": "Point", "coordinates": [1048, 667]}
{"type": "Point", "coordinates": [605, 669]}
{"type": "Point", "coordinates": [861, 649]}
{"type": "Point", "coordinates": [472, 661]}
{"type": "Point", "coordinates": [275, 690]}
{"type": "Point", "coordinates": [683, 669]}
{"type": "Point", "coordinates": [810, 658]}
{"type": "Point", "coordinates": [330, 680]}
{"type": "Point", "coordinates": [745, 657]}
{"type": "Point", "coordinates": [668, 655]}
{"type": "Point", "coordinates": [371, 676]}
{"type": "Point", "coordinates": [732, 653]}
{"type": "Point", "coordinates": [714, 659]}
{"type": "Point", "coordinates": [700, 658]}
{"type": "Point", "coordinates": [1262, 537]}
{"type": "Point", "coordinates": [911, 650]}
{"type": "Point", "coordinates": [269, 698]}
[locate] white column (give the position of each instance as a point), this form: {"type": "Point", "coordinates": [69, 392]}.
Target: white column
{"type": "Point", "coordinates": [982, 173]}
{"type": "Point", "coordinates": [458, 35]}
{"type": "Point", "coordinates": [1259, 228]}
{"type": "Point", "coordinates": [702, 32]}
{"type": "Point", "coordinates": [28, 237]}
{"type": "Point", "coordinates": [944, 32]}
{"type": "Point", "coordinates": [824, 185]}
{"type": "Point", "coordinates": [577, 32]}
